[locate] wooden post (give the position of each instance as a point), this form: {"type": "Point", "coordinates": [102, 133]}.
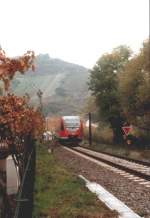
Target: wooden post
{"type": "Point", "coordinates": [46, 123]}
{"type": "Point", "coordinates": [39, 94]}
{"type": "Point", "coordinates": [90, 130]}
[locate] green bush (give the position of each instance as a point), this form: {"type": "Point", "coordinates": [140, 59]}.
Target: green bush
{"type": "Point", "coordinates": [100, 135]}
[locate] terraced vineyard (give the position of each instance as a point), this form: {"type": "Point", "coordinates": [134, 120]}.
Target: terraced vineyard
{"type": "Point", "coordinates": [64, 85]}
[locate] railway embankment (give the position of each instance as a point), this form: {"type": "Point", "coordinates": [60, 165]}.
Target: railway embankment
{"type": "Point", "coordinates": [135, 196]}
{"type": "Point", "coordinates": [129, 151]}
{"type": "Point", "coordinates": [59, 193]}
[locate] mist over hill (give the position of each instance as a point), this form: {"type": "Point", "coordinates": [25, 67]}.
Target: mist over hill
{"type": "Point", "coordinates": [63, 84]}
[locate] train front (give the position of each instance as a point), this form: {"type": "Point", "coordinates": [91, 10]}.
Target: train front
{"type": "Point", "coordinates": [71, 130]}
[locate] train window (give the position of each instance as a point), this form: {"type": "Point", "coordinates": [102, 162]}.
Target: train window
{"type": "Point", "coordinates": [72, 123]}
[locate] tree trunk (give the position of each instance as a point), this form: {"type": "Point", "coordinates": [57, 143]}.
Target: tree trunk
{"type": "Point", "coordinates": [116, 125]}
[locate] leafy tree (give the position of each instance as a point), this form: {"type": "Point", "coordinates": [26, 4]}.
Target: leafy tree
{"type": "Point", "coordinates": [18, 124]}
{"type": "Point", "coordinates": [17, 119]}
{"type": "Point", "coordinates": [134, 88]}
{"type": "Point", "coordinates": [1, 91]}
{"type": "Point", "coordinates": [9, 66]}
{"type": "Point", "coordinates": [90, 106]}
{"type": "Point", "coordinates": [104, 86]}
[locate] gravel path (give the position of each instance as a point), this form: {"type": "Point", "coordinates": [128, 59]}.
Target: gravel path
{"type": "Point", "coordinates": [133, 195]}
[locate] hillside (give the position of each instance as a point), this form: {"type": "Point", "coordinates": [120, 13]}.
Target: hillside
{"type": "Point", "coordinates": [64, 85]}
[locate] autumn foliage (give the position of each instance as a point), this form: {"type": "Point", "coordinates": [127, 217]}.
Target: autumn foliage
{"type": "Point", "coordinates": [52, 123]}
{"type": "Point", "coordinates": [17, 118]}
{"type": "Point", "coordinates": [9, 66]}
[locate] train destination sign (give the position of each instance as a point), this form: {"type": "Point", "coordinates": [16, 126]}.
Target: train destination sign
{"type": "Point", "coordinates": [126, 129]}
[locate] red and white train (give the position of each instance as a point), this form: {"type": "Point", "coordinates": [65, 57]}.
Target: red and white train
{"type": "Point", "coordinates": [70, 130]}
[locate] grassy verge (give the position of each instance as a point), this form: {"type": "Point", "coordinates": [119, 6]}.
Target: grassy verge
{"type": "Point", "coordinates": [122, 150]}
{"type": "Point", "coordinates": [60, 194]}
{"type": "Point", "coordinates": [103, 141]}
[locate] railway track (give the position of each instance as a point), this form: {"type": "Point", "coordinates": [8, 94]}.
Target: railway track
{"type": "Point", "coordinates": [132, 169]}
{"type": "Point", "coordinates": [145, 163]}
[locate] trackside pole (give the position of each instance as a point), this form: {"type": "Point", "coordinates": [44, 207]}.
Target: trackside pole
{"type": "Point", "coordinates": [90, 130]}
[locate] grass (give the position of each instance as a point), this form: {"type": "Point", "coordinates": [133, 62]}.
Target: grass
{"type": "Point", "coordinates": [122, 150]}
{"type": "Point", "coordinates": [61, 194]}
{"type": "Point", "coordinates": [103, 141]}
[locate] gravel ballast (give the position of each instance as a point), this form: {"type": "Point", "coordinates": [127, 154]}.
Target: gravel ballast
{"type": "Point", "coordinates": [134, 195]}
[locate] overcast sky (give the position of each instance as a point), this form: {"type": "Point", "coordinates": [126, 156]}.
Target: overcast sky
{"type": "Point", "coordinates": [78, 31]}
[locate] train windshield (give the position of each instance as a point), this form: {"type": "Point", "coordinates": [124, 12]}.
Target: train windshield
{"type": "Point", "coordinates": [72, 122]}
